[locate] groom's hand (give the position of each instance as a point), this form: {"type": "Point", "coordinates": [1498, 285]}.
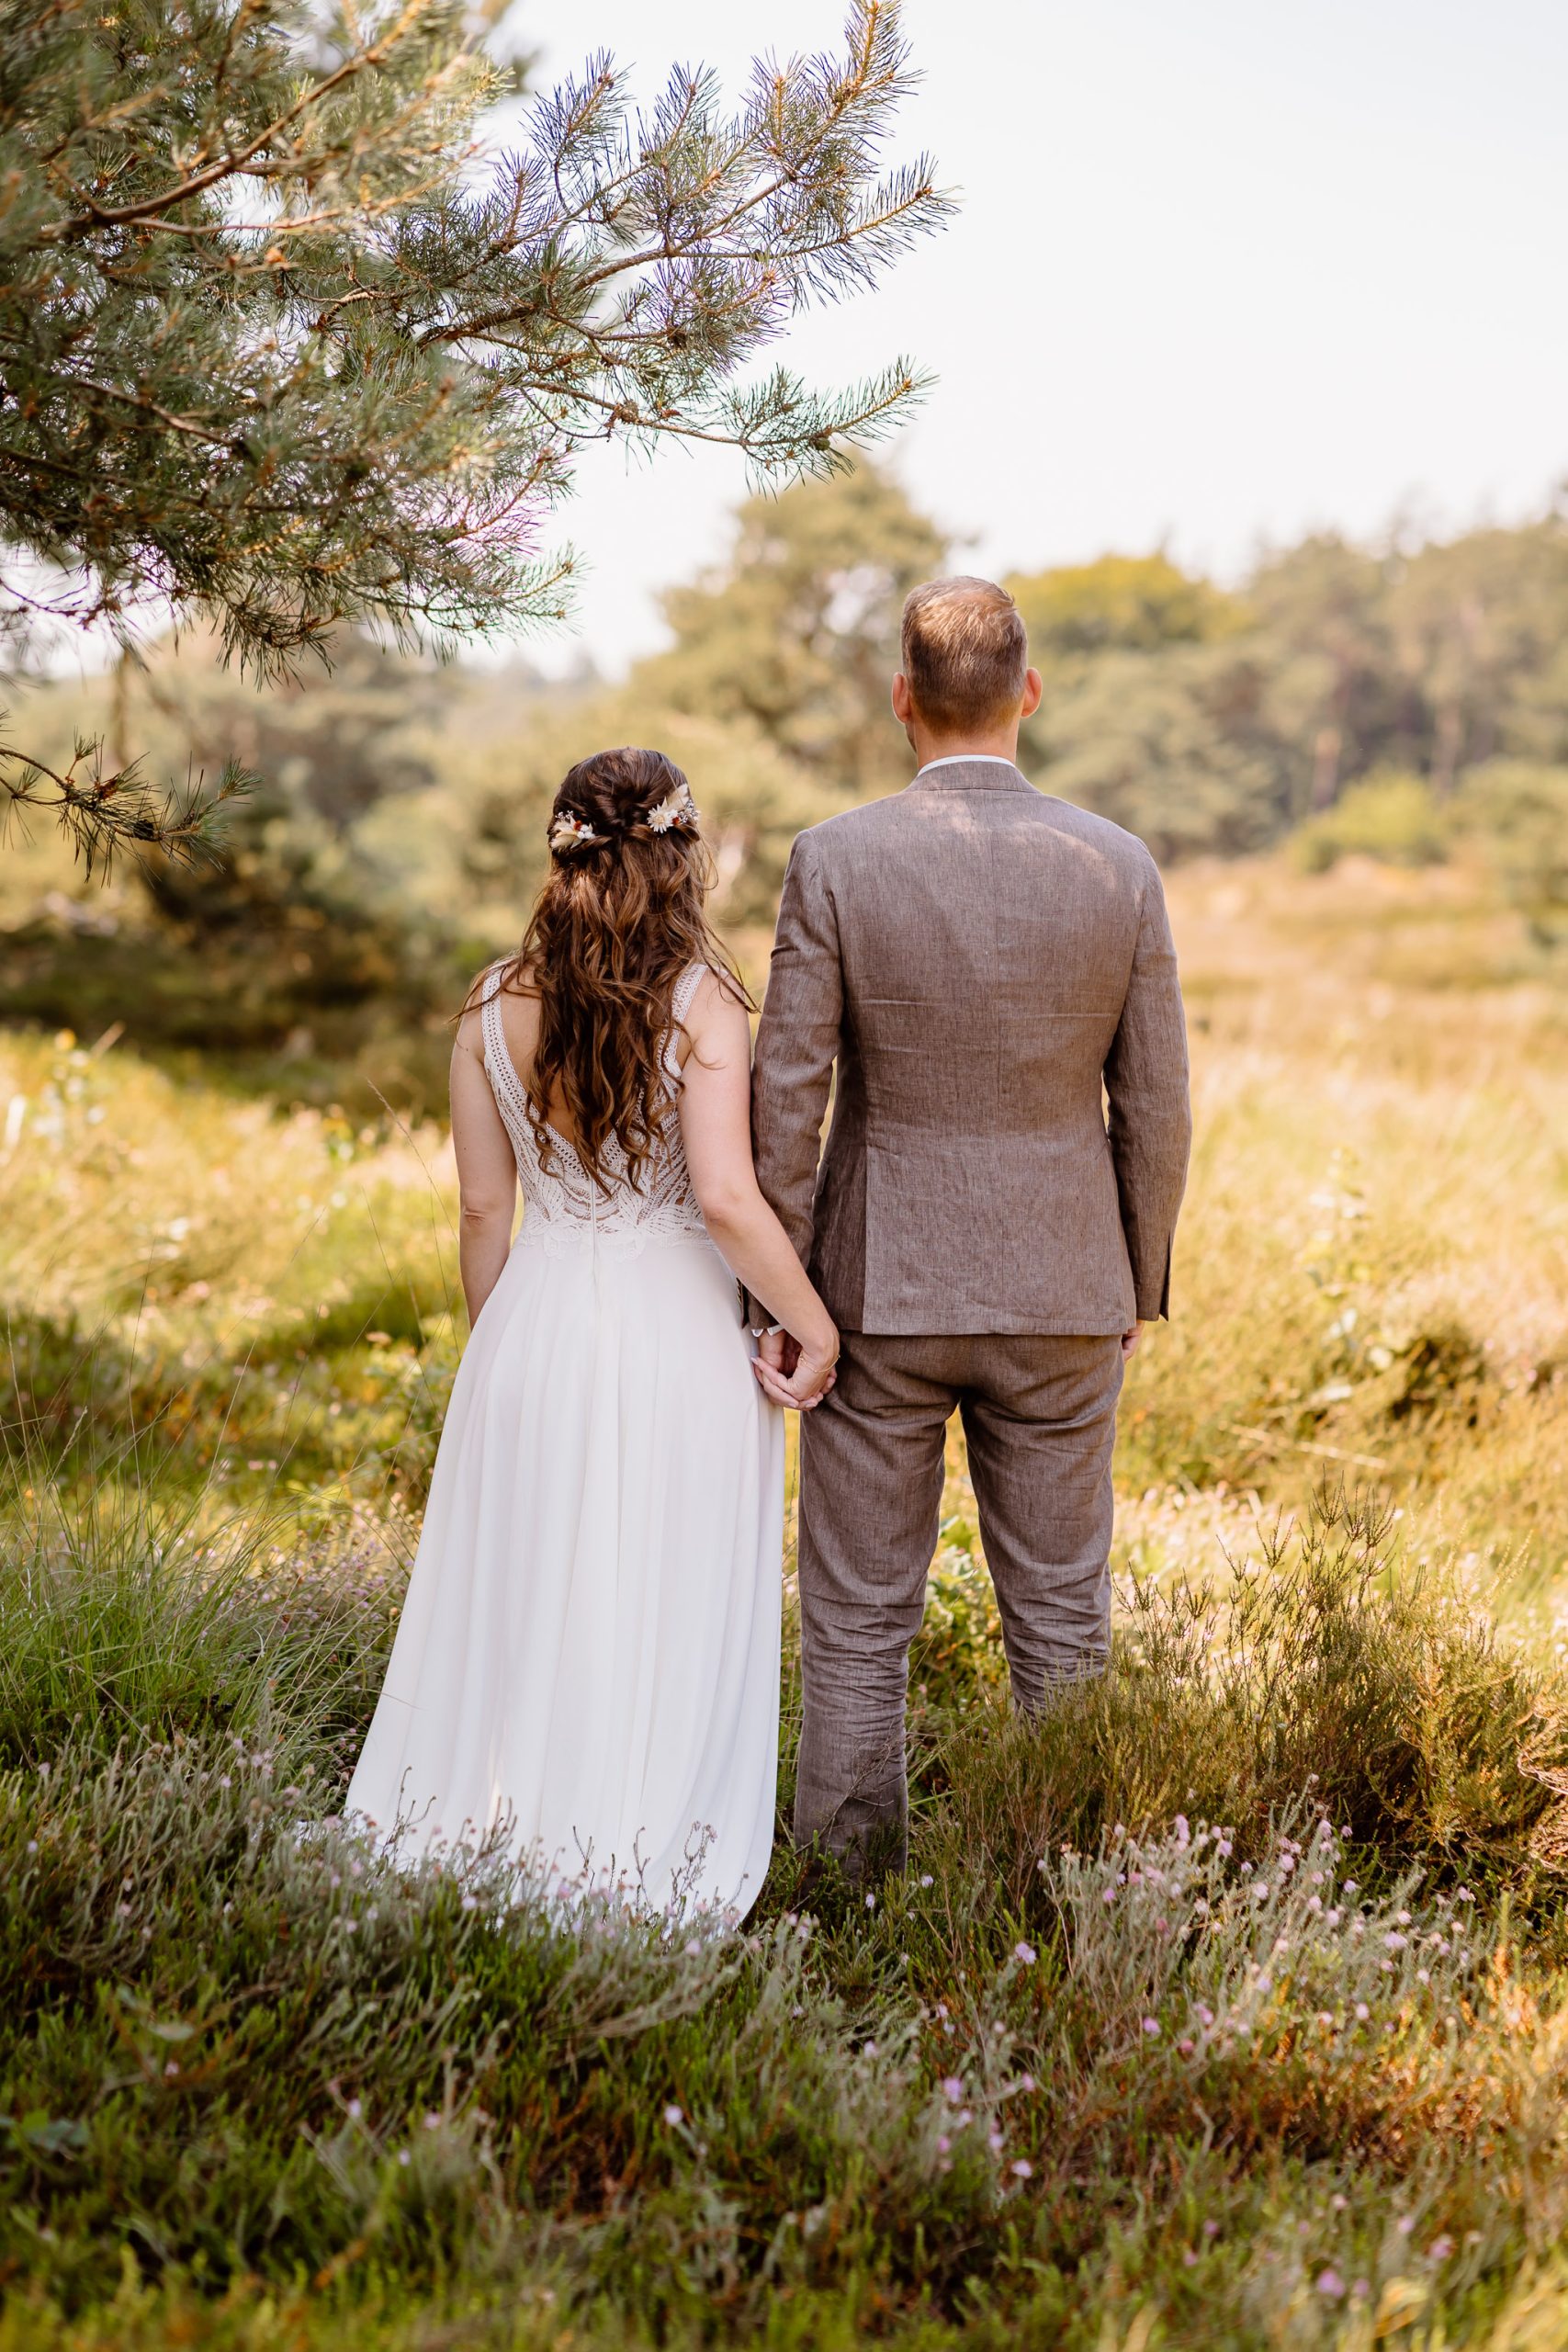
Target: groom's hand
{"type": "Point", "coordinates": [779, 1352]}
{"type": "Point", "coordinates": [808, 1379]}
{"type": "Point", "coordinates": [1130, 1340]}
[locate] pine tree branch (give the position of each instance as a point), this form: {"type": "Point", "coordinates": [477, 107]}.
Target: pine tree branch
{"type": "Point", "coordinates": [107, 815]}
{"type": "Point", "coordinates": [226, 166]}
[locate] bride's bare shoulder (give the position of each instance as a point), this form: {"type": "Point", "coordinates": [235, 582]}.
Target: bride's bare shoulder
{"type": "Point", "coordinates": [510, 982]}
{"type": "Point", "coordinates": [717, 995]}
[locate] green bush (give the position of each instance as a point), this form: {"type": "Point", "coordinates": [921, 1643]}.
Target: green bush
{"type": "Point", "coordinates": [1394, 819]}
{"type": "Point", "coordinates": [1519, 811]}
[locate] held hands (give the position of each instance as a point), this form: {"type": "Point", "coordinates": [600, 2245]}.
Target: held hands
{"type": "Point", "coordinates": [791, 1374]}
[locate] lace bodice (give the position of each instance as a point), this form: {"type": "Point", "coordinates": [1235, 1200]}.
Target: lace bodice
{"type": "Point", "coordinates": [562, 1207]}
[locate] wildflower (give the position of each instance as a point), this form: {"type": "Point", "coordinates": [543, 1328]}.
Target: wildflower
{"type": "Point", "coordinates": [1286, 1864]}
{"type": "Point", "coordinates": [943, 2144]}
{"type": "Point", "coordinates": [868, 2049]}
{"type": "Point", "coordinates": [1211, 2229]}
{"type": "Point", "coordinates": [1190, 2260]}
{"type": "Point", "coordinates": [1332, 1918]}
{"type": "Point", "coordinates": [1109, 1895]}
{"type": "Point", "coordinates": [926, 1879]}
{"type": "Point", "coordinates": [1183, 1835]}
{"type": "Point", "coordinates": [1315, 1903]}
{"type": "Point", "coordinates": [673, 2116]}
{"type": "Point", "coordinates": [995, 2143]}
{"type": "Point", "coordinates": [1151, 2025]}
{"type": "Point", "coordinates": [1224, 1847]}
{"type": "Point", "coordinates": [1405, 2224]}
{"type": "Point", "coordinates": [433, 2122]}
{"type": "Point", "coordinates": [356, 2109]}
{"type": "Point", "coordinates": [1185, 2048]}
{"type": "Point", "coordinates": [1464, 1894]}
{"type": "Point", "coordinates": [1404, 1918]}
{"type": "Point", "coordinates": [1393, 1940]}
{"type": "Point", "coordinates": [1362, 2011]}
{"type": "Point", "coordinates": [1026, 1953]}
{"type": "Point", "coordinates": [404, 2158]}
{"type": "Point", "coordinates": [1440, 2249]}
{"type": "Point", "coordinates": [952, 2089]}
{"type": "Point", "coordinates": [1325, 2017]}
{"type": "Point", "coordinates": [871, 1902]}
{"type": "Point", "coordinates": [1423, 1976]}
{"type": "Point", "coordinates": [1330, 2283]}
{"type": "Point", "coordinates": [1351, 1885]}
{"type": "Point", "coordinates": [1026, 2082]}
{"type": "Point", "coordinates": [1021, 2169]}
{"type": "Point", "coordinates": [1341, 2204]}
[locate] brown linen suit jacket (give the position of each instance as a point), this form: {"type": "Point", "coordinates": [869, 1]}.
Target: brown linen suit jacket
{"type": "Point", "coordinates": [980, 961]}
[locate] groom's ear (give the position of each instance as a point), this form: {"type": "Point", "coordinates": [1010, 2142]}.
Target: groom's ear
{"type": "Point", "coordinates": [903, 700]}
{"type": "Point", "coordinates": [1033, 687]}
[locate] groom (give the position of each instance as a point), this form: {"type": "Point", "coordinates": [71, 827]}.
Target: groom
{"type": "Point", "coordinates": [978, 962]}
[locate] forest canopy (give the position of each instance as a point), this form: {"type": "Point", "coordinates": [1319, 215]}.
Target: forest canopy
{"type": "Point", "coordinates": [1396, 702]}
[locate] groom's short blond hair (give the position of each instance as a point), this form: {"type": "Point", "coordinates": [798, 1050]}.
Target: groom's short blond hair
{"type": "Point", "coordinates": [966, 652]}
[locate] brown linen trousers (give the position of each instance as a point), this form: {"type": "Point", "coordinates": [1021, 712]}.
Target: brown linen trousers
{"type": "Point", "coordinates": [985, 969]}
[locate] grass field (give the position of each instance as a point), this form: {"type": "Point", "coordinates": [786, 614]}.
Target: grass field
{"type": "Point", "coordinates": [1226, 2008]}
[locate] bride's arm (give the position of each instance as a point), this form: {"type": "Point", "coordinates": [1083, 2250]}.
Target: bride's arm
{"type": "Point", "coordinates": [487, 1172]}
{"type": "Point", "coordinates": [716, 1125]}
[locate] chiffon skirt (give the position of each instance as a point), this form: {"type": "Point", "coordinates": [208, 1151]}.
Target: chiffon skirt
{"type": "Point", "coordinates": [587, 1663]}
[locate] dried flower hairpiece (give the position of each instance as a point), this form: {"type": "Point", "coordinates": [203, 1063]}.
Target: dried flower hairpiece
{"type": "Point", "coordinates": [678, 808]}
{"type": "Point", "coordinates": [573, 832]}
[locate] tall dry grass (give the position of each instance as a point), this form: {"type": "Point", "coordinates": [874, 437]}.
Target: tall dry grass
{"type": "Point", "coordinates": [1222, 2008]}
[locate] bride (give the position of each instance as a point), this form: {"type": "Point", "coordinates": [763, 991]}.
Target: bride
{"type": "Point", "coordinates": [587, 1656]}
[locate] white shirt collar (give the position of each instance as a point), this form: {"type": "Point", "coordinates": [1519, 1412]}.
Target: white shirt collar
{"type": "Point", "coordinates": [968, 758]}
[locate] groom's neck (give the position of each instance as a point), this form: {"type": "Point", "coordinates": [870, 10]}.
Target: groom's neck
{"type": "Point", "coordinates": [997, 744]}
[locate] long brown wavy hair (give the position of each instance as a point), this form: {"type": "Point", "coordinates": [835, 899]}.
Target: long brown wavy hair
{"type": "Point", "coordinates": [620, 918]}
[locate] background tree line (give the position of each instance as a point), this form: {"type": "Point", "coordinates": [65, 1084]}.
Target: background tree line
{"type": "Point", "coordinates": [1383, 701]}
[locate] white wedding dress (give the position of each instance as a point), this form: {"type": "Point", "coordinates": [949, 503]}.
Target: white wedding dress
{"type": "Point", "coordinates": [589, 1653]}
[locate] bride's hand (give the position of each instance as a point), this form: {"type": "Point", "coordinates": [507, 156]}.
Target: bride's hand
{"type": "Point", "coordinates": [810, 1376]}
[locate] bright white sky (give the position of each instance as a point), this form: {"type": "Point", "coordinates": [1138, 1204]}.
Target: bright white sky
{"type": "Point", "coordinates": [1224, 271]}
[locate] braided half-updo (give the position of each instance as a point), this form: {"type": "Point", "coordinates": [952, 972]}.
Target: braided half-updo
{"type": "Point", "coordinates": [621, 916]}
